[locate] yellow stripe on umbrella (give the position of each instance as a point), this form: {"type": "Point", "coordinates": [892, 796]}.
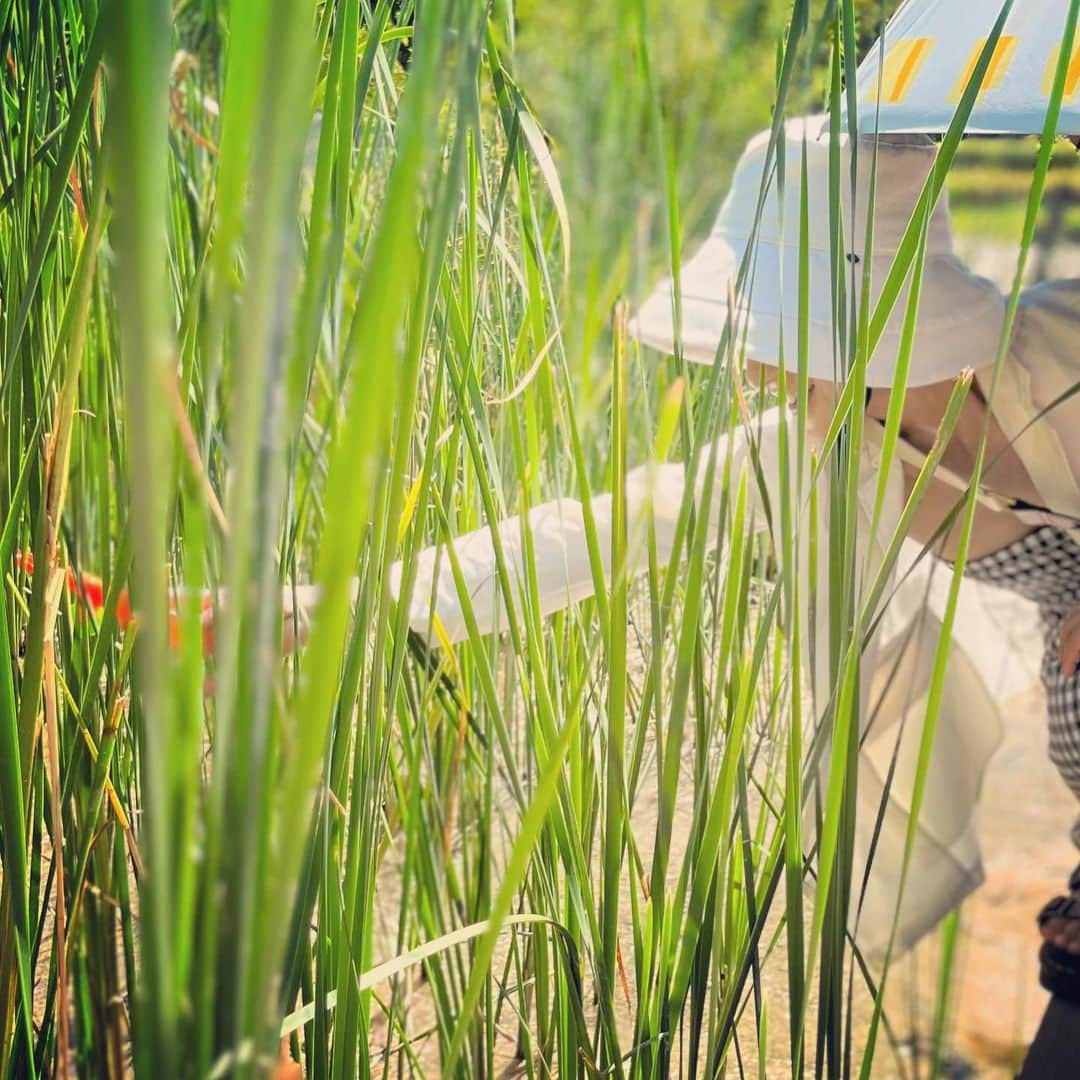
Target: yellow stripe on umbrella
{"type": "Point", "coordinates": [907, 87]}
{"type": "Point", "coordinates": [1072, 78]}
{"type": "Point", "coordinates": [1004, 52]}
{"type": "Point", "coordinates": [902, 67]}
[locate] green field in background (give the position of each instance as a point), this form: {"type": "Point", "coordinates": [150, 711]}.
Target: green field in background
{"type": "Point", "coordinates": [989, 189]}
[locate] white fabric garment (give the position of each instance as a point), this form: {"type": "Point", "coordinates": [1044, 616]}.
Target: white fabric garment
{"type": "Point", "coordinates": [1043, 364]}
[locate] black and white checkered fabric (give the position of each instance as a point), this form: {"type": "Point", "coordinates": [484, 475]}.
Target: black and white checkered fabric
{"type": "Point", "coordinates": [1044, 567]}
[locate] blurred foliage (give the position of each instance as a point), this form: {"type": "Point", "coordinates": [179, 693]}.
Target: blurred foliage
{"type": "Point", "coordinates": [714, 66]}
{"type": "Point", "coordinates": [872, 16]}
{"type": "Point", "coordinates": [714, 69]}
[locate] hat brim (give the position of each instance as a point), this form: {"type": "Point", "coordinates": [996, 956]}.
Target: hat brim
{"type": "Point", "coordinates": [959, 324]}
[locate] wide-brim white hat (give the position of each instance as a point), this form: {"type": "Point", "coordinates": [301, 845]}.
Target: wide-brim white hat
{"type": "Point", "coordinates": [960, 316]}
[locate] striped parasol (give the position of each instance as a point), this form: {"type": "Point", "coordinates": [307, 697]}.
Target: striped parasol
{"type": "Point", "coordinates": [928, 54]}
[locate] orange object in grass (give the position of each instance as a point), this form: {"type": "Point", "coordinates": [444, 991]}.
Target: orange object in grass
{"type": "Point", "coordinates": [207, 606]}
{"type": "Point", "coordinates": [88, 588]}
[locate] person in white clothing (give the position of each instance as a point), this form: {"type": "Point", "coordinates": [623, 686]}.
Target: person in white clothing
{"type": "Point", "coordinates": [1027, 517]}
{"type": "Point", "coordinates": [1026, 534]}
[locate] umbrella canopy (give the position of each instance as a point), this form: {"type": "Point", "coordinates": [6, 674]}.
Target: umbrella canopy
{"type": "Point", "coordinates": [931, 48]}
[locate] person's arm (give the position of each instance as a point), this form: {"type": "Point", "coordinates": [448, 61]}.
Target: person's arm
{"type": "Point", "coordinates": [559, 539]}
{"type": "Point", "coordinates": [558, 534]}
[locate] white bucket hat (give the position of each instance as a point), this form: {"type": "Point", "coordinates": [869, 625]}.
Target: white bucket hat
{"type": "Point", "coordinates": [960, 315]}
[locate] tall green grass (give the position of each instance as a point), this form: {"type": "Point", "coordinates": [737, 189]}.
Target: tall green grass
{"type": "Point", "coordinates": [276, 311]}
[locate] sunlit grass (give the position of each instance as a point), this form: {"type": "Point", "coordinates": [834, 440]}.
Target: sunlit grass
{"type": "Point", "coordinates": [573, 845]}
